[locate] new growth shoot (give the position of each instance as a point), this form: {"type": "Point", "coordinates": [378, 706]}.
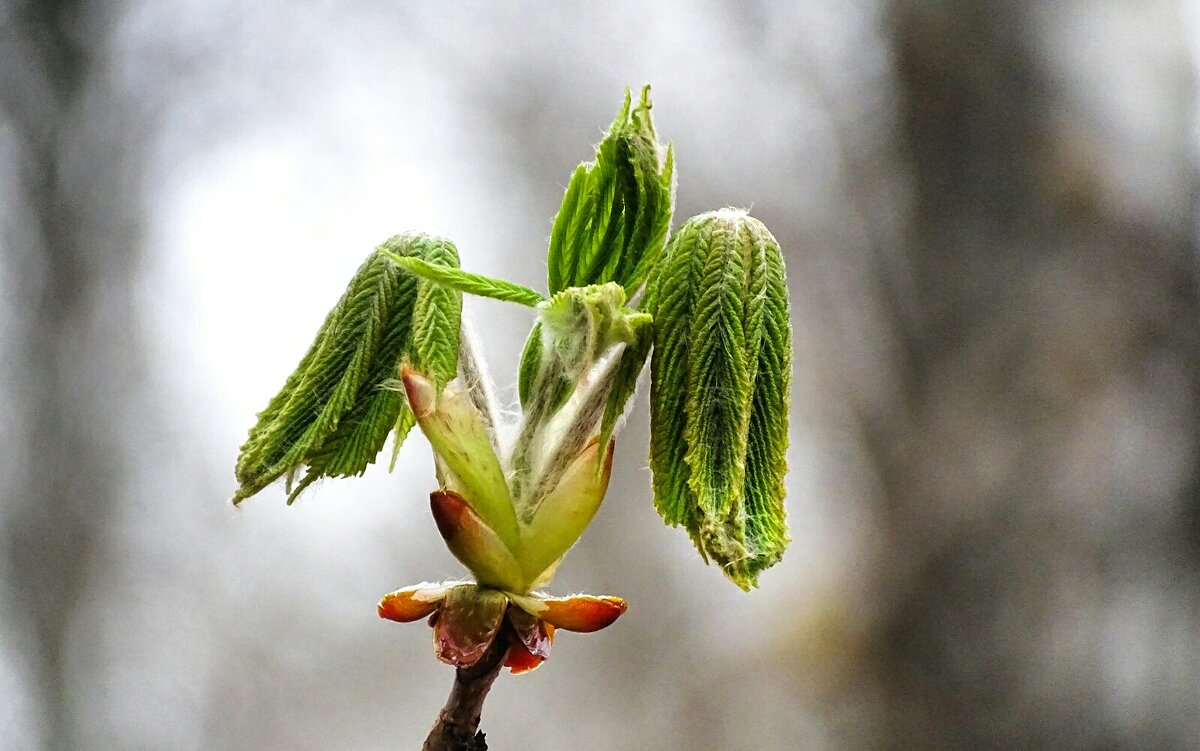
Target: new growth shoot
{"type": "Point", "coordinates": [707, 306]}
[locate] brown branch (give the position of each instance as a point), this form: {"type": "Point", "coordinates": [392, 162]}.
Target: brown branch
{"type": "Point", "coordinates": [458, 722]}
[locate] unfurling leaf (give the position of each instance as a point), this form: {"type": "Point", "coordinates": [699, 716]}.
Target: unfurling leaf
{"type": "Point", "coordinates": [625, 379]}
{"type": "Point", "coordinates": [335, 411]}
{"type": "Point", "coordinates": [720, 380]}
{"type": "Point", "coordinates": [531, 360]}
{"type": "Point", "coordinates": [616, 212]}
{"type": "Point", "coordinates": [581, 332]}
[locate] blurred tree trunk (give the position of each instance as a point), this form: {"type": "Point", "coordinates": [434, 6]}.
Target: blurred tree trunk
{"type": "Point", "coordinates": [1039, 471]}
{"type": "Point", "coordinates": [73, 356]}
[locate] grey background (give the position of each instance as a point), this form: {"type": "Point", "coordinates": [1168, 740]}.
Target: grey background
{"type": "Point", "coordinates": [989, 216]}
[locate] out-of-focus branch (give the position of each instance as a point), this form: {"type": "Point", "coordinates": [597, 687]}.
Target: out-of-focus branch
{"type": "Point", "coordinates": [48, 533]}
{"type": "Point", "coordinates": [457, 726]}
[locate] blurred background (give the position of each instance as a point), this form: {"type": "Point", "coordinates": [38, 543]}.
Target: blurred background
{"type": "Point", "coordinates": [989, 215]}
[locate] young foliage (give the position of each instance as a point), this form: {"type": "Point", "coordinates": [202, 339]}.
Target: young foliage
{"type": "Point", "coordinates": [581, 333]}
{"type": "Point", "coordinates": [335, 411]}
{"type": "Point", "coordinates": [625, 378]}
{"type": "Point", "coordinates": [616, 212]}
{"type": "Point", "coordinates": [714, 313]}
{"type": "Point", "coordinates": [720, 379]}
{"type": "Point", "coordinates": [509, 505]}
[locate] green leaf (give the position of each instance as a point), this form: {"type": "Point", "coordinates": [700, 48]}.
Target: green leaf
{"type": "Point", "coordinates": [464, 281]}
{"type": "Point", "coordinates": [677, 286]}
{"type": "Point", "coordinates": [720, 379]}
{"type": "Point", "coordinates": [335, 411]}
{"type": "Point", "coordinates": [616, 212]}
{"type": "Point", "coordinates": [572, 214]}
{"type": "Point", "coordinates": [531, 361]}
{"type": "Point", "coordinates": [437, 318]}
{"type": "Point", "coordinates": [653, 225]}
{"type": "Point", "coordinates": [625, 380]}
{"type": "Point", "coordinates": [575, 327]}
{"type": "Point", "coordinates": [405, 421]}
{"type": "Point", "coordinates": [767, 441]}
{"type": "Point", "coordinates": [718, 399]}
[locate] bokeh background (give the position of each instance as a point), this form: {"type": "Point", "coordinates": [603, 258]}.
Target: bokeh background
{"type": "Point", "coordinates": [989, 215]}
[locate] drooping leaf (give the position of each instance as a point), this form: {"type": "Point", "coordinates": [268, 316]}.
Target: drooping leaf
{"type": "Point", "coordinates": [355, 442]}
{"type": "Point", "coordinates": [335, 411]}
{"type": "Point", "coordinates": [324, 387]}
{"type": "Point", "coordinates": [677, 289]}
{"type": "Point", "coordinates": [617, 209]}
{"type": "Point", "coordinates": [767, 440]}
{"type": "Point", "coordinates": [720, 380]}
{"type": "Point", "coordinates": [427, 333]}
{"type": "Point", "coordinates": [437, 319]}
{"type": "Point", "coordinates": [718, 399]}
